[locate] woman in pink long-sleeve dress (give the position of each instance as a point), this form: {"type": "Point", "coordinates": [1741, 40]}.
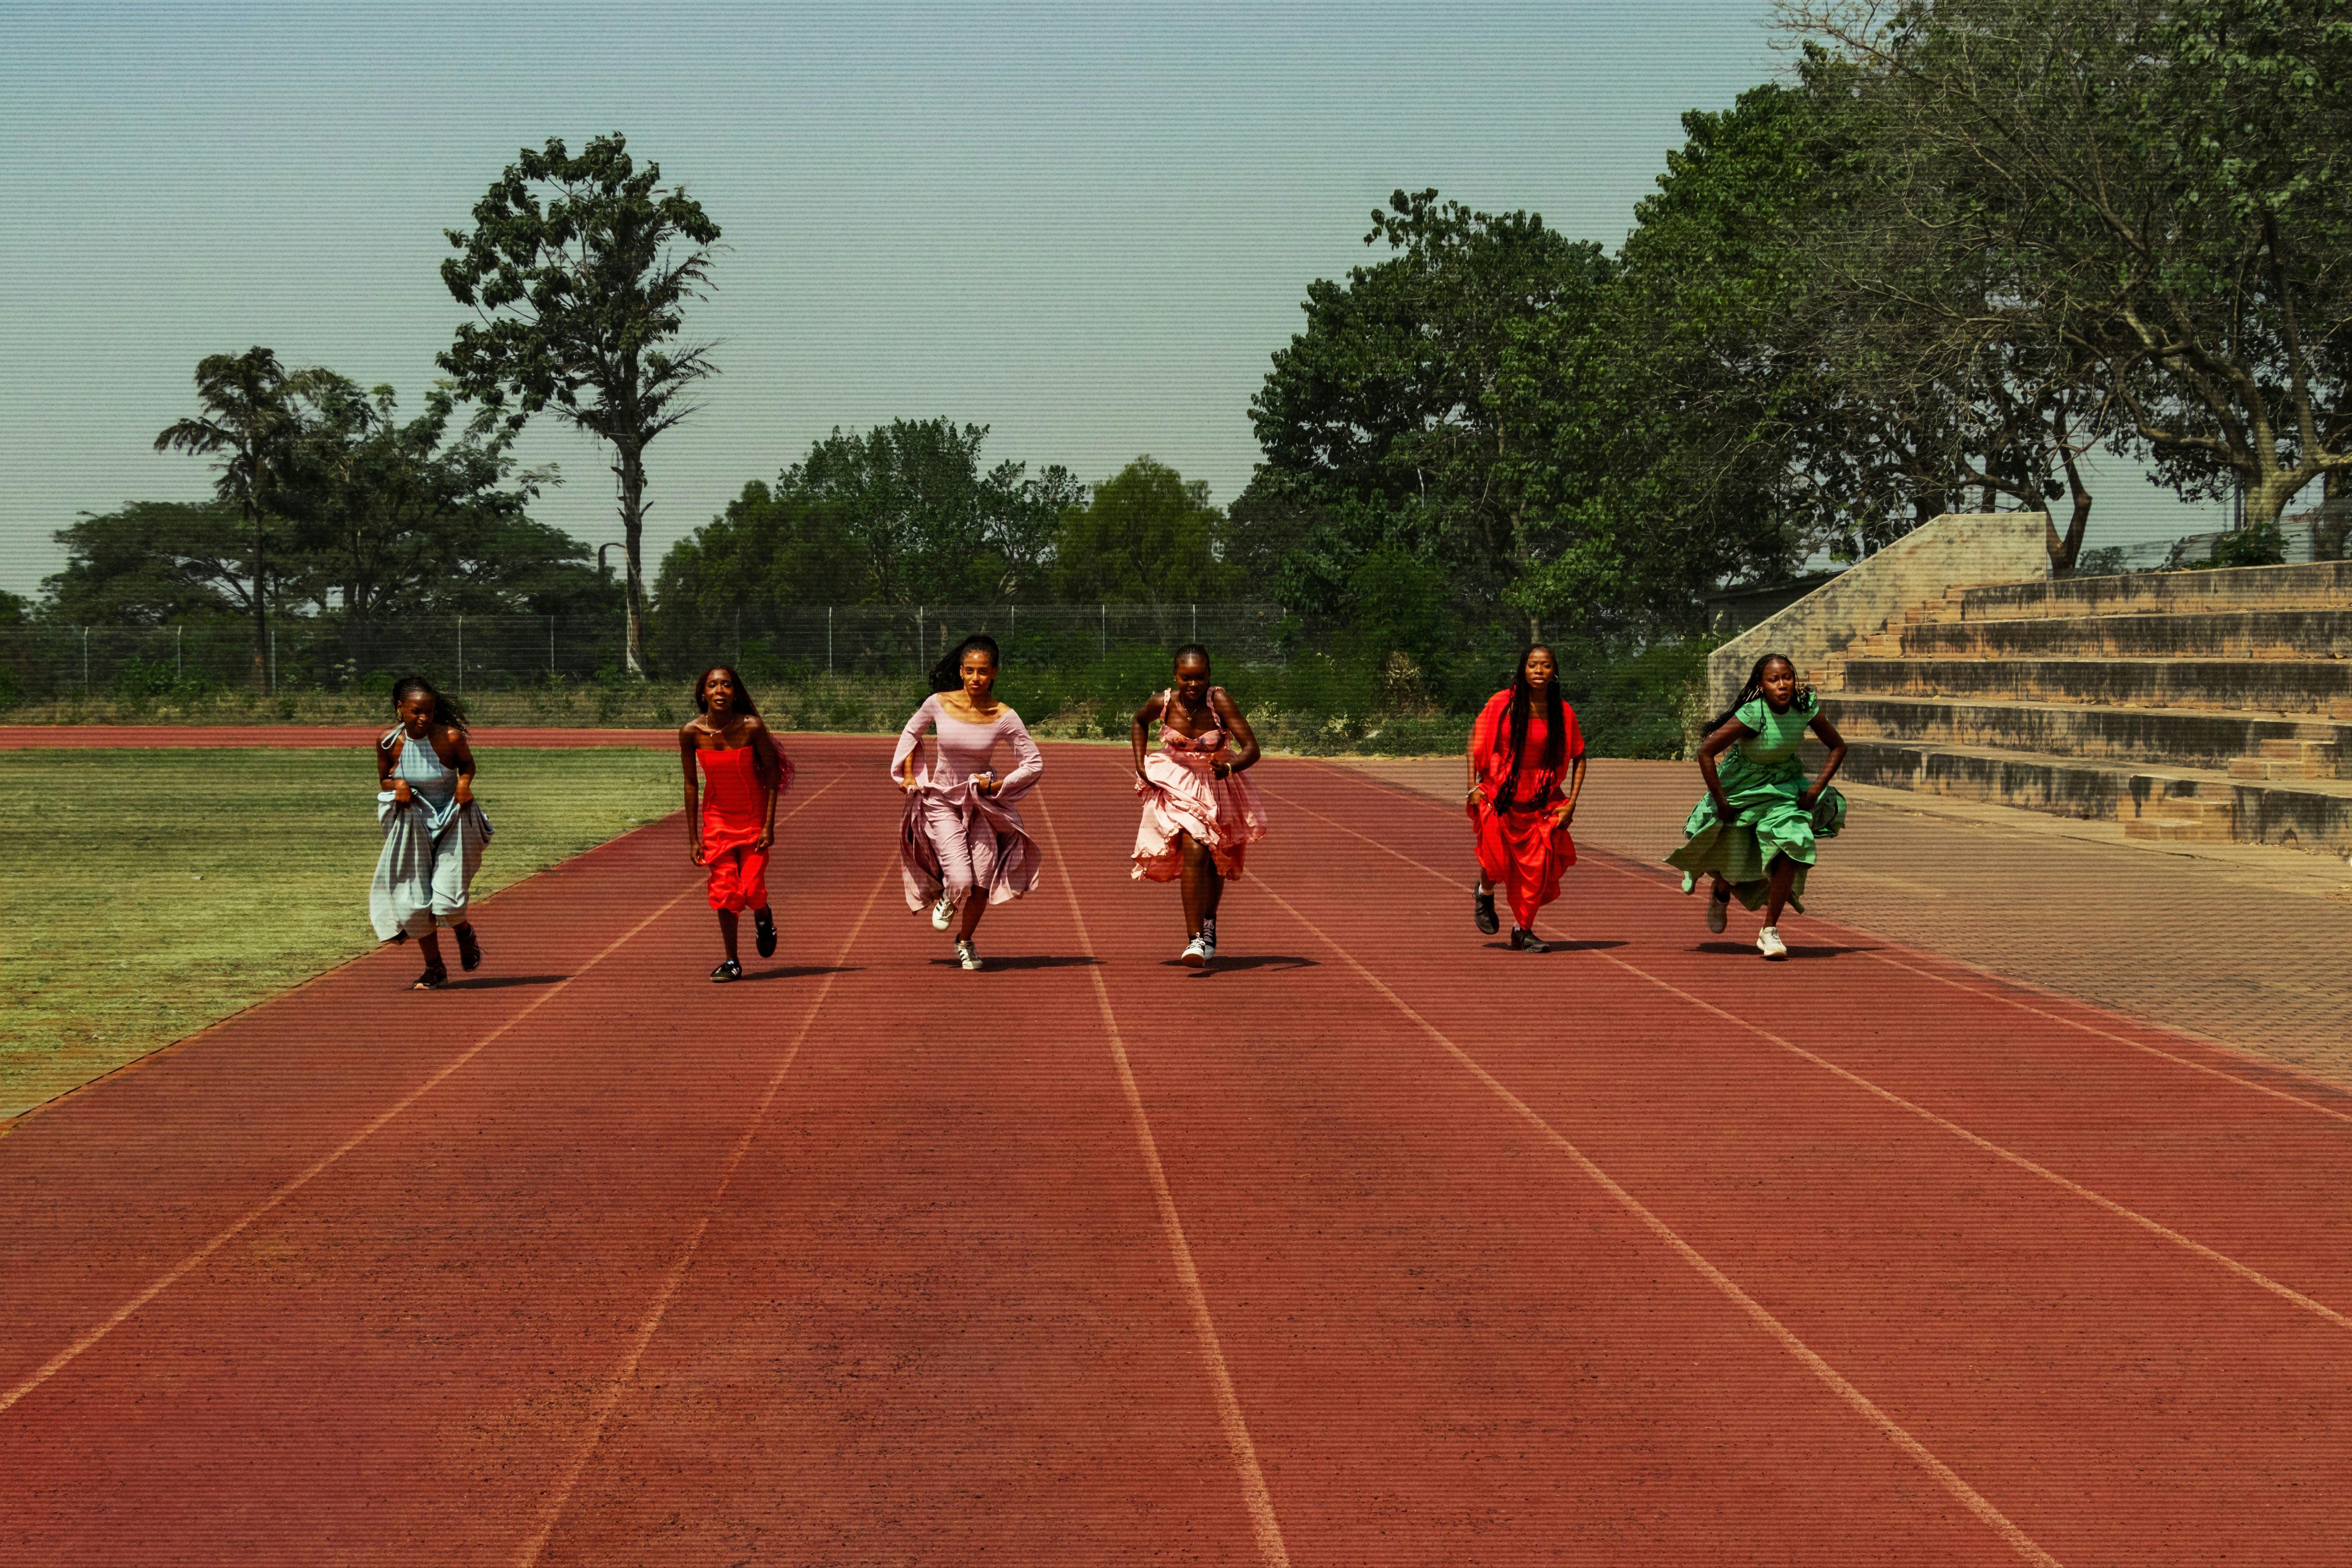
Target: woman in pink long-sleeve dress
{"type": "Point", "coordinates": [961, 842]}
{"type": "Point", "coordinates": [1200, 815]}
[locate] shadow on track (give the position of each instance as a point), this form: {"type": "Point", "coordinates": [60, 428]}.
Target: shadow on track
{"type": "Point", "coordinates": [800, 971]}
{"type": "Point", "coordinates": [501, 982]}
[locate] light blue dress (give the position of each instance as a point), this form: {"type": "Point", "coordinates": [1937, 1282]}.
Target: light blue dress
{"type": "Point", "coordinates": [1761, 777]}
{"type": "Point", "coordinates": [432, 846]}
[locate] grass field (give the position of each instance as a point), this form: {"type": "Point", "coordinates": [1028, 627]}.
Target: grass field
{"type": "Point", "coordinates": [145, 894]}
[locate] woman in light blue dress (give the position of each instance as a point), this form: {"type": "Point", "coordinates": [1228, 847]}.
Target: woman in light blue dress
{"type": "Point", "coordinates": [433, 831]}
{"type": "Point", "coordinates": [1754, 830]}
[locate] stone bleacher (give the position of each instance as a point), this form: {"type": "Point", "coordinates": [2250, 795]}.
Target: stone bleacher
{"type": "Point", "coordinates": [2211, 706]}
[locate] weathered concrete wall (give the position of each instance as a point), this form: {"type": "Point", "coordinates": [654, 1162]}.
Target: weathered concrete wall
{"type": "Point", "coordinates": [1957, 549]}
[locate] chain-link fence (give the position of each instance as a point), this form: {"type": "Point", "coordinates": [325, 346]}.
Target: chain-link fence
{"type": "Point", "coordinates": [48, 662]}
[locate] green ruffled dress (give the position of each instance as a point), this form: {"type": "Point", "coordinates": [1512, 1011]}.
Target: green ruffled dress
{"type": "Point", "coordinates": [1761, 778]}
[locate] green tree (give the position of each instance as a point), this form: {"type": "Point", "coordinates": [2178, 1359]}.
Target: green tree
{"type": "Point", "coordinates": [579, 268]}
{"type": "Point", "coordinates": [768, 549]}
{"type": "Point", "coordinates": [1146, 536]}
{"type": "Point", "coordinates": [924, 522]}
{"type": "Point", "coordinates": [1416, 408]}
{"type": "Point", "coordinates": [395, 516]}
{"type": "Point", "coordinates": [250, 421]}
{"type": "Point", "coordinates": [155, 562]}
{"type": "Point", "coordinates": [2172, 182]}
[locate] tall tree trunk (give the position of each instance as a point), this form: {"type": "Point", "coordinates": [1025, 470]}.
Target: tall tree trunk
{"type": "Point", "coordinates": [260, 601]}
{"type": "Point", "coordinates": [2065, 552]}
{"type": "Point", "coordinates": [631, 471]}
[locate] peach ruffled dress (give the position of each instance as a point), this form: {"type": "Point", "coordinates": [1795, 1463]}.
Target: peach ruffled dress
{"type": "Point", "coordinates": [1181, 795]}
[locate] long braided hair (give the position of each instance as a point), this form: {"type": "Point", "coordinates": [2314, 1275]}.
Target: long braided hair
{"type": "Point", "coordinates": [1555, 711]}
{"type": "Point", "coordinates": [1802, 700]}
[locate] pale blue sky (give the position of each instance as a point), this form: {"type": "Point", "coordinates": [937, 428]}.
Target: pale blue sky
{"type": "Point", "coordinates": [1085, 227]}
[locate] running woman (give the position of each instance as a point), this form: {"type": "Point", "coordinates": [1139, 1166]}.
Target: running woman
{"type": "Point", "coordinates": [433, 831]}
{"type": "Point", "coordinates": [1200, 815]}
{"type": "Point", "coordinates": [1524, 738]}
{"type": "Point", "coordinates": [742, 772]}
{"type": "Point", "coordinates": [1754, 831]}
{"type": "Point", "coordinates": [961, 844]}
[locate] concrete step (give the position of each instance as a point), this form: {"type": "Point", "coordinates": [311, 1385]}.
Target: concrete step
{"type": "Point", "coordinates": [2198, 805]}
{"type": "Point", "coordinates": [2263, 633]}
{"type": "Point", "coordinates": [2318, 584]}
{"type": "Point", "coordinates": [2291, 759]}
{"type": "Point", "coordinates": [2138, 737]}
{"type": "Point", "coordinates": [2313, 688]}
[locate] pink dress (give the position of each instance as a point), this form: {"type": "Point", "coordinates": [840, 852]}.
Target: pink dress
{"type": "Point", "coordinates": [1181, 794]}
{"type": "Point", "coordinates": [951, 835]}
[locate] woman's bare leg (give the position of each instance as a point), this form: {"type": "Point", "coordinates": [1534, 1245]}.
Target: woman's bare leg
{"type": "Point", "coordinates": [1784, 878]}
{"type": "Point", "coordinates": [1198, 871]}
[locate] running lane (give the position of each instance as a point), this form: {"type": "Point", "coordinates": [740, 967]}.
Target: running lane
{"type": "Point", "coordinates": [361, 1257]}
{"type": "Point", "coordinates": [2123, 1389]}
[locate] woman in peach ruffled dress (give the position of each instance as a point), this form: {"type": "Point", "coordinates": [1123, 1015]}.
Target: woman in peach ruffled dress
{"type": "Point", "coordinates": [1200, 815]}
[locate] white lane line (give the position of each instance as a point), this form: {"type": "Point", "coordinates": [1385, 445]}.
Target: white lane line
{"type": "Point", "coordinates": [1264, 1524]}
{"type": "Point", "coordinates": [1853, 1399]}
{"type": "Point", "coordinates": [1416, 798]}
{"type": "Point", "coordinates": [180, 1271]}
{"type": "Point", "coordinates": [2154, 1227]}
{"type": "Point", "coordinates": [616, 1384]}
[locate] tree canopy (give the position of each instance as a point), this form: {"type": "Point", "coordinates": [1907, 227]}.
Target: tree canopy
{"type": "Point", "coordinates": [580, 269]}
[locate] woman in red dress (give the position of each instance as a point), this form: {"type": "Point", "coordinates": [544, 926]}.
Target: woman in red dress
{"type": "Point", "coordinates": [1524, 740]}
{"type": "Point", "coordinates": [729, 829]}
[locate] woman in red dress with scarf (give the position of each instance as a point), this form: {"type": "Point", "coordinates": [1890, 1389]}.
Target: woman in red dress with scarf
{"type": "Point", "coordinates": [1522, 743]}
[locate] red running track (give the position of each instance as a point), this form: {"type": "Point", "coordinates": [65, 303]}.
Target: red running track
{"type": "Point", "coordinates": [1376, 1242]}
{"type": "Point", "coordinates": [299, 737]}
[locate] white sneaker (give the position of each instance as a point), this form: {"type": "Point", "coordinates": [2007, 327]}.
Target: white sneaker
{"type": "Point", "coordinates": [1769, 943]}
{"type": "Point", "coordinates": [1715, 910]}
{"type": "Point", "coordinates": [942, 912]}
{"type": "Point", "coordinates": [1197, 953]}
{"type": "Point", "coordinates": [967, 954]}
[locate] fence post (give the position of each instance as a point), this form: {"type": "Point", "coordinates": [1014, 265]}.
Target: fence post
{"type": "Point", "coordinates": [1106, 630]}
{"type": "Point", "coordinates": [84, 661]}
{"type": "Point", "coordinates": [179, 663]}
{"type": "Point", "coordinates": [828, 639]}
{"type": "Point", "coordinates": [461, 656]}
{"type": "Point", "coordinates": [550, 648]}
{"type": "Point", "coordinates": [273, 658]}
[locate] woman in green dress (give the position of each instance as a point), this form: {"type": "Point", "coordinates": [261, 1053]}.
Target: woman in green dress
{"type": "Point", "coordinates": [1754, 832]}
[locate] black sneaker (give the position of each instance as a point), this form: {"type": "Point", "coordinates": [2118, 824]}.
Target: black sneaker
{"type": "Point", "coordinates": [1482, 910]}
{"type": "Point", "coordinates": [729, 970]}
{"type": "Point", "coordinates": [434, 978]}
{"type": "Point", "coordinates": [469, 949]}
{"type": "Point", "coordinates": [763, 931]}
{"type": "Point", "coordinates": [1525, 940]}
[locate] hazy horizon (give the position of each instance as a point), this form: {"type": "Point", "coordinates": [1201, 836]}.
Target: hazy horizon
{"type": "Point", "coordinates": [1086, 228]}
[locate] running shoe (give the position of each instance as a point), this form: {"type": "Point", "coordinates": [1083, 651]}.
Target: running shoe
{"type": "Point", "coordinates": [763, 931]}
{"type": "Point", "coordinates": [1716, 911]}
{"type": "Point", "coordinates": [469, 949]}
{"type": "Point", "coordinates": [1769, 943]}
{"type": "Point", "coordinates": [1196, 952]}
{"type": "Point", "coordinates": [1482, 910]}
{"type": "Point", "coordinates": [967, 954]}
{"type": "Point", "coordinates": [942, 912]}
{"type": "Point", "coordinates": [1525, 940]}
{"type": "Point", "coordinates": [727, 971]}
{"type": "Point", "coordinates": [434, 978]}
